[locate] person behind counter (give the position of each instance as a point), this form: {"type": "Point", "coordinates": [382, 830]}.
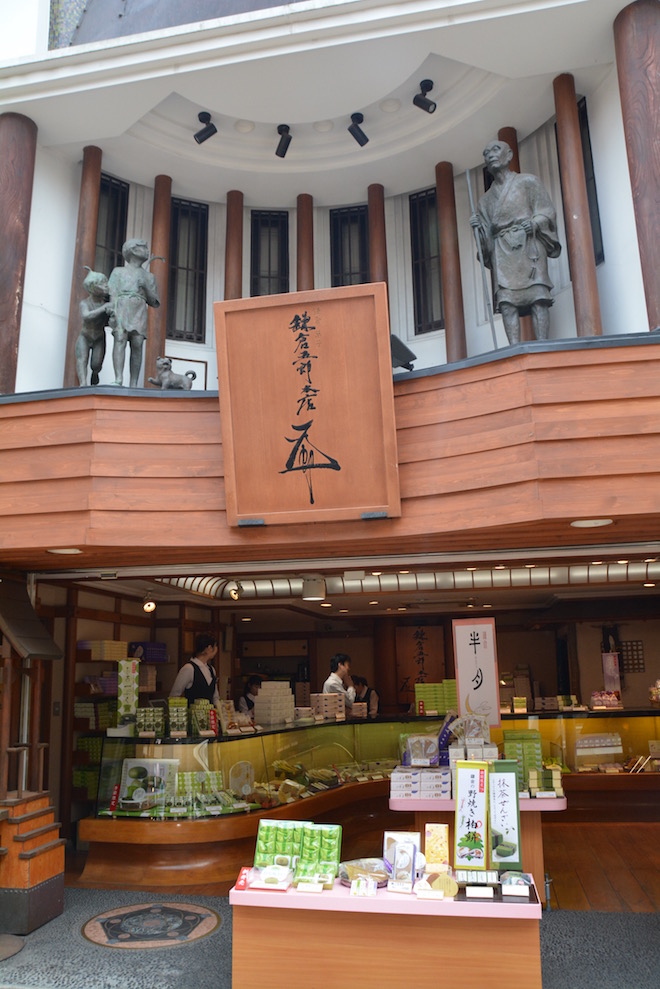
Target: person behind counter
{"type": "Point", "coordinates": [246, 701]}
{"type": "Point", "coordinates": [339, 681]}
{"type": "Point", "coordinates": [367, 695]}
{"type": "Point", "coordinates": [197, 678]}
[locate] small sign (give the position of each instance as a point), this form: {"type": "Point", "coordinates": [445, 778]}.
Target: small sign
{"type": "Point", "coordinates": [471, 815]}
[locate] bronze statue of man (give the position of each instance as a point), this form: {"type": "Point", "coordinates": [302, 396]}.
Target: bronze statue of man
{"type": "Point", "coordinates": [132, 289]}
{"type": "Point", "coordinates": [517, 228]}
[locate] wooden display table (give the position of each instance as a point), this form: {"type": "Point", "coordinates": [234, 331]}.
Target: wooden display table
{"type": "Point", "coordinates": [531, 835]}
{"type": "Point", "coordinates": [383, 942]}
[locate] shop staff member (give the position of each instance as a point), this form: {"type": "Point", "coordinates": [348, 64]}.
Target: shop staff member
{"type": "Point", "coordinates": [197, 678]}
{"type": "Point", "coordinates": [339, 681]}
{"type": "Point", "coordinates": [246, 701]}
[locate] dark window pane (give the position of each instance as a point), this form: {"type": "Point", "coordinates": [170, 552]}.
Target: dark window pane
{"type": "Point", "coordinates": [425, 252]}
{"type": "Point", "coordinates": [186, 303]}
{"type": "Point", "coordinates": [111, 226]}
{"type": "Point", "coordinates": [269, 260]}
{"type": "Point", "coordinates": [349, 246]}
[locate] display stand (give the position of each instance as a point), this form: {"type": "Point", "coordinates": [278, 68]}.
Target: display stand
{"type": "Point", "coordinates": [384, 942]}
{"type": "Point", "coordinates": [531, 834]}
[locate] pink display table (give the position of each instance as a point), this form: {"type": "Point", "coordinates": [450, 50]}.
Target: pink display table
{"type": "Point", "coordinates": [531, 834]}
{"type": "Point", "coordinates": [332, 939]}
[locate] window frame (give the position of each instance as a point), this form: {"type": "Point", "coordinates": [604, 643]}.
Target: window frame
{"type": "Point", "coordinates": [189, 277]}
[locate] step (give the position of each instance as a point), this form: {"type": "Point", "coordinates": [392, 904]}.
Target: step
{"type": "Point", "coordinates": [47, 829]}
{"type": "Point", "coordinates": [40, 798]}
{"type": "Point", "coordinates": [34, 852]}
{"type": "Point", "coordinates": [22, 818]}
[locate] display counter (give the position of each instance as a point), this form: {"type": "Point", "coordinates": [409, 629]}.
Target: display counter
{"type": "Point", "coordinates": [340, 774]}
{"type": "Point", "coordinates": [427, 940]}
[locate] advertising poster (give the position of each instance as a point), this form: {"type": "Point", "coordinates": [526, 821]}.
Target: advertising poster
{"type": "Point", "coordinates": [477, 678]}
{"type": "Point", "coordinates": [504, 819]}
{"type": "Point", "coordinates": [471, 821]}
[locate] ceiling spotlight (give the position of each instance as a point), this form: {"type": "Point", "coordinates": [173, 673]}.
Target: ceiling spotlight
{"type": "Point", "coordinates": [235, 591]}
{"type": "Point", "coordinates": [313, 589]}
{"type": "Point", "coordinates": [208, 130]}
{"type": "Point", "coordinates": [356, 131]}
{"type": "Point", "coordinates": [285, 140]}
{"type": "Point", "coordinates": [421, 99]}
{"type": "Point", "coordinates": [148, 604]}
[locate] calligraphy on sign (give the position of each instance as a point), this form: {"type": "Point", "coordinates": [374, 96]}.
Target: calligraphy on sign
{"type": "Point", "coordinates": [471, 815]}
{"type": "Point", "coordinates": [477, 678]}
{"type": "Point", "coordinates": [420, 658]}
{"type": "Point", "coordinates": [504, 821]}
{"type": "Point", "coordinates": [307, 407]}
{"type": "Point", "coordinates": [304, 456]}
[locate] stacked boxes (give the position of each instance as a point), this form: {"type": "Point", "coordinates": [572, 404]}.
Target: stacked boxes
{"type": "Point", "coordinates": [422, 784]}
{"type": "Point", "coordinates": [332, 707]}
{"type": "Point", "coordinates": [474, 750]}
{"type": "Point", "coordinates": [525, 748]}
{"type": "Point", "coordinates": [440, 697]}
{"type": "Point", "coordinates": [103, 650]}
{"type": "Point", "coordinates": [128, 687]}
{"type": "Point", "coordinates": [359, 710]}
{"type": "Point", "coordinates": [303, 691]}
{"type": "Point", "coordinates": [546, 782]}
{"type": "Point", "coordinates": [274, 703]}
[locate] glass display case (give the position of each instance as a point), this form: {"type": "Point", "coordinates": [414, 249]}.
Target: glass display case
{"type": "Point", "coordinates": [200, 778]}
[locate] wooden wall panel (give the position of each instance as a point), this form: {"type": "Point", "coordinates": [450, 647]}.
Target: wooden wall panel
{"type": "Point", "coordinates": [501, 454]}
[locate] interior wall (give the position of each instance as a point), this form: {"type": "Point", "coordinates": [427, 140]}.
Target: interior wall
{"type": "Point", "coordinates": [635, 686]}
{"type": "Point", "coordinates": [533, 648]}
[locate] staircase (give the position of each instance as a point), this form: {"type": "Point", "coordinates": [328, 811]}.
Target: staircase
{"type": "Point", "coordinates": [31, 863]}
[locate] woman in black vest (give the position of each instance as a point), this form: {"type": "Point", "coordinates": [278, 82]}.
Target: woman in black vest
{"type": "Point", "coordinates": [197, 678]}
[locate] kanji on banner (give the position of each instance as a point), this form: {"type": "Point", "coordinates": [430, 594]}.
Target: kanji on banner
{"type": "Point", "coordinates": [477, 679]}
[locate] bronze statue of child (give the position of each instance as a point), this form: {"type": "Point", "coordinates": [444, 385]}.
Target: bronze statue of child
{"type": "Point", "coordinates": [95, 312]}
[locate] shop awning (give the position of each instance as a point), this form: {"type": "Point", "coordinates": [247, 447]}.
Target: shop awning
{"type": "Point", "coordinates": [21, 625]}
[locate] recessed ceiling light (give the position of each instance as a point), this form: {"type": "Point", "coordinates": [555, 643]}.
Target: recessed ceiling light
{"type": "Point", "coordinates": [649, 583]}
{"type": "Point", "coordinates": [530, 566]}
{"type": "Point", "coordinates": [596, 563]}
{"type": "Point", "coordinates": [500, 566]}
{"type": "Point", "coordinates": [469, 605]}
{"type": "Point", "coordinates": [373, 602]}
{"type": "Point", "coordinates": [343, 611]}
{"type": "Point", "coordinates": [246, 619]}
{"type": "Point", "coordinates": [590, 523]}
{"type": "Point", "coordinates": [244, 126]}
{"type": "Point", "coordinates": [323, 126]}
{"type": "Point", "coordinates": [376, 573]}
{"type": "Point", "coordinates": [390, 105]}
{"type": "Point", "coordinates": [486, 606]}
{"type": "Point", "coordinates": [404, 571]}
{"type": "Point", "coordinates": [471, 568]}
{"type": "Point", "coordinates": [326, 604]}
{"type": "Point", "coordinates": [651, 559]}
{"type": "Point", "coordinates": [401, 609]}
{"type": "Point", "coordinates": [64, 551]}
{"type": "Point", "coordinates": [623, 561]}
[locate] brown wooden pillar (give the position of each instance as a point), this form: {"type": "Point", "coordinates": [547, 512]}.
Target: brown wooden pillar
{"type": "Point", "coordinates": [5, 723]}
{"type": "Point", "coordinates": [84, 254]}
{"type": "Point", "coordinates": [510, 136]}
{"type": "Point", "coordinates": [637, 46]}
{"type": "Point", "coordinates": [18, 148]}
{"type": "Point", "coordinates": [160, 246]}
{"type": "Point", "coordinates": [68, 705]}
{"type": "Point", "coordinates": [305, 246]}
{"type": "Point", "coordinates": [377, 240]}
{"type": "Point", "coordinates": [234, 246]}
{"type": "Point", "coordinates": [385, 665]}
{"type": "Point", "coordinates": [450, 264]}
{"type": "Point", "coordinates": [576, 209]}
{"type": "Point", "coordinates": [35, 763]}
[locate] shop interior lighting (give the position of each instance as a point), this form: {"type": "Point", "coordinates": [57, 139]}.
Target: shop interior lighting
{"type": "Point", "coordinates": [421, 100]}
{"type": "Point", "coordinates": [313, 589]}
{"type": "Point", "coordinates": [148, 604]}
{"type": "Point", "coordinates": [285, 140]}
{"type": "Point", "coordinates": [208, 130]}
{"type": "Point", "coordinates": [356, 131]}
{"type": "Point", "coordinates": [235, 591]}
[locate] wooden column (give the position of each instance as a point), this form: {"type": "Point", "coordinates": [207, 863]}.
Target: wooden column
{"type": "Point", "coordinates": [305, 246]}
{"type": "Point", "coordinates": [36, 674]}
{"type": "Point", "coordinates": [385, 664]}
{"type": "Point", "coordinates": [68, 704]}
{"type": "Point", "coordinates": [450, 263]}
{"type": "Point", "coordinates": [637, 46]}
{"type": "Point", "coordinates": [84, 254]}
{"type": "Point", "coordinates": [510, 136]}
{"type": "Point", "coordinates": [576, 209]}
{"type": "Point", "coordinates": [234, 246]}
{"type": "Point", "coordinates": [18, 148]}
{"type": "Point", "coordinates": [160, 246]}
{"type": "Point", "coordinates": [377, 240]}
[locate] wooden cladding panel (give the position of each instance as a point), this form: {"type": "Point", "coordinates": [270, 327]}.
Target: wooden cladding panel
{"type": "Point", "coordinates": [496, 455]}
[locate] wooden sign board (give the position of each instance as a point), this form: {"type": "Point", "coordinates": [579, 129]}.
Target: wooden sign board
{"type": "Point", "coordinates": [307, 406]}
{"type": "Point", "coordinates": [420, 658]}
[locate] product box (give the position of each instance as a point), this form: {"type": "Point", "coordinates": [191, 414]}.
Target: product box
{"type": "Point", "coordinates": [436, 847]}
{"type": "Point", "coordinates": [128, 686]}
{"type": "Point", "coordinates": [392, 838]}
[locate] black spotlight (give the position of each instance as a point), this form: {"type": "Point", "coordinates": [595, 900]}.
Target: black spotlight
{"type": "Point", "coordinates": [285, 140]}
{"type": "Point", "coordinates": [356, 131]}
{"type": "Point", "coordinates": [208, 130]}
{"type": "Point", "coordinates": [421, 99]}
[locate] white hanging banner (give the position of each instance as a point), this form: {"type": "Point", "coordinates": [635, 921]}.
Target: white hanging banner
{"type": "Point", "coordinates": [477, 680]}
